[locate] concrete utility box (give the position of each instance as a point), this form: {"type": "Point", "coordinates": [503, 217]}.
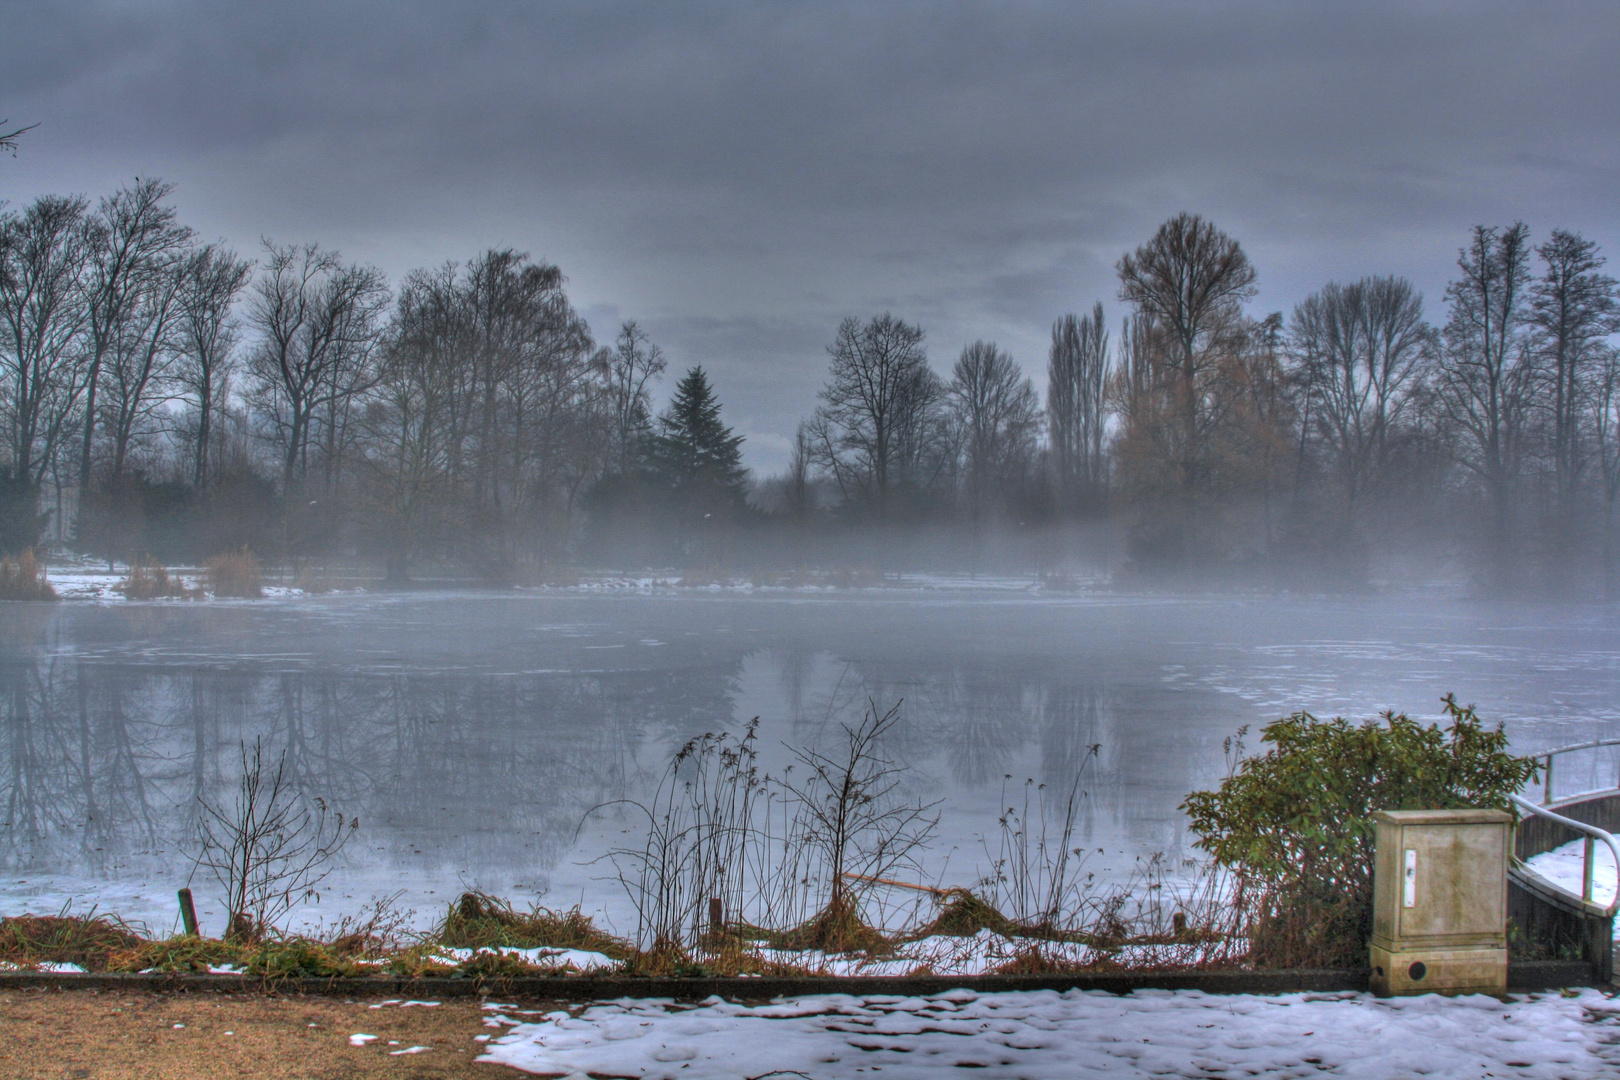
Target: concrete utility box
{"type": "Point", "coordinates": [1440, 901]}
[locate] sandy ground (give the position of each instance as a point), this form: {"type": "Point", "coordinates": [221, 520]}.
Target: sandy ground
{"type": "Point", "coordinates": [90, 1035]}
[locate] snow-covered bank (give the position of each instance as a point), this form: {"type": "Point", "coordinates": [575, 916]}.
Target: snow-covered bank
{"type": "Point", "coordinates": [1564, 866]}
{"type": "Point", "coordinates": [1046, 1034]}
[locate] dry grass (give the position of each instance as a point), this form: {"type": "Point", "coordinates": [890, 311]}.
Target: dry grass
{"type": "Point", "coordinates": [1059, 581]}
{"type": "Point", "coordinates": [148, 580]}
{"type": "Point", "coordinates": [836, 928]}
{"type": "Point", "coordinates": [235, 573]}
{"type": "Point", "coordinates": [180, 954]}
{"type": "Point", "coordinates": [90, 941]}
{"type": "Point", "coordinates": [963, 913]}
{"type": "Point", "coordinates": [1035, 958]}
{"type": "Point", "coordinates": [702, 578]}
{"type": "Point", "coordinates": [202, 1036]}
{"type": "Point", "coordinates": [478, 920]}
{"type": "Point", "coordinates": [23, 578]}
{"type": "Point", "coordinates": [312, 581]}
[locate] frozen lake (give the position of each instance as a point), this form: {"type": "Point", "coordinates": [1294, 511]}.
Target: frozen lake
{"type": "Point", "coordinates": [471, 733]}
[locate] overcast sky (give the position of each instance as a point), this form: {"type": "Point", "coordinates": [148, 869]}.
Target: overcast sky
{"type": "Point", "coordinates": [740, 177]}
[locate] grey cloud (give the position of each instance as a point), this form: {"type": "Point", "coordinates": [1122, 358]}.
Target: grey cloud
{"type": "Point", "coordinates": [741, 176]}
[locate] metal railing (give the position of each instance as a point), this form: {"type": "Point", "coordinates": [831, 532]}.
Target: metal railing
{"type": "Point", "coordinates": [1547, 757]}
{"type": "Point", "coordinates": [1592, 835]}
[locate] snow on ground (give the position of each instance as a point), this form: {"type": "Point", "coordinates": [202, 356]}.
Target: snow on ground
{"type": "Point", "coordinates": [581, 960]}
{"type": "Point", "coordinates": [50, 967]}
{"type": "Point", "coordinates": [941, 955]}
{"type": "Point", "coordinates": [82, 580]}
{"type": "Point", "coordinates": [80, 583]}
{"type": "Point", "coordinates": [674, 580]}
{"type": "Point", "coordinates": [1037, 1035]}
{"type": "Point", "coordinates": [1563, 867]}
{"type": "Point", "coordinates": [984, 953]}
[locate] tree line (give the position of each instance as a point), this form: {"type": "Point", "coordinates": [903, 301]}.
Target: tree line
{"type": "Point", "coordinates": [1298, 445]}
{"type": "Point", "coordinates": [169, 396]}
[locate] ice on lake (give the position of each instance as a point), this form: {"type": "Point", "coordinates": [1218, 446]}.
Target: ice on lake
{"type": "Point", "coordinates": [472, 733]}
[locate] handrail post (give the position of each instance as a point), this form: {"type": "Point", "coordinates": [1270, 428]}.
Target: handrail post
{"type": "Point", "coordinates": [1547, 785]}
{"type": "Point", "coordinates": [1586, 871]}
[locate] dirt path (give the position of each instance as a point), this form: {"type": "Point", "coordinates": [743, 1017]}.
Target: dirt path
{"type": "Point", "coordinates": [90, 1035]}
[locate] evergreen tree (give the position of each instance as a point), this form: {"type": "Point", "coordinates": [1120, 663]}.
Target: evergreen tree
{"type": "Point", "coordinates": [694, 454]}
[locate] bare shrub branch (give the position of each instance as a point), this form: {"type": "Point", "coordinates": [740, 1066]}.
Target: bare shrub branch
{"type": "Point", "coordinates": [272, 848]}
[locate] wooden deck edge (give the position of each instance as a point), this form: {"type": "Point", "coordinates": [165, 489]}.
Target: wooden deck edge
{"type": "Point", "coordinates": [1544, 975]}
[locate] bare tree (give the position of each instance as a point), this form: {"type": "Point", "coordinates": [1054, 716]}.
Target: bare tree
{"type": "Point", "coordinates": [271, 848]}
{"type": "Point", "coordinates": [8, 139]}
{"type": "Point", "coordinates": [798, 495]}
{"type": "Point", "coordinates": [1603, 410]}
{"type": "Point", "coordinates": [1573, 309]}
{"type": "Point", "coordinates": [1487, 371]}
{"type": "Point", "coordinates": [1190, 281]}
{"type": "Point", "coordinates": [1358, 351]}
{"type": "Point", "coordinates": [134, 240]}
{"type": "Point", "coordinates": [858, 821]}
{"type": "Point", "coordinates": [138, 366]}
{"type": "Point", "coordinates": [207, 339]}
{"type": "Point", "coordinates": [998, 414]}
{"type": "Point", "coordinates": [491, 406]}
{"type": "Point", "coordinates": [1076, 409]}
{"type": "Point", "coordinates": [877, 423]}
{"type": "Point", "coordinates": [319, 323]}
{"type": "Point", "coordinates": [636, 363]}
{"type": "Point", "coordinates": [43, 316]}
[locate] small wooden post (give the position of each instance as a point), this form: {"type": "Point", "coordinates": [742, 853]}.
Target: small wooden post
{"type": "Point", "coordinates": [717, 916]}
{"type": "Point", "coordinates": [1586, 871]}
{"type": "Point", "coordinates": [188, 913]}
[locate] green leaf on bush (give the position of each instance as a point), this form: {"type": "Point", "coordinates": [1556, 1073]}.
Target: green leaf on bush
{"type": "Point", "coordinates": [1295, 823]}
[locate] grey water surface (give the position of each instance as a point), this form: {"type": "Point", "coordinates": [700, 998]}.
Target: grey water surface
{"type": "Point", "coordinates": [471, 734]}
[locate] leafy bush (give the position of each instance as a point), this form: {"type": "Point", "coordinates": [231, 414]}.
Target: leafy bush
{"type": "Point", "coordinates": [235, 573]}
{"type": "Point", "coordinates": [1295, 824]}
{"type": "Point", "coordinates": [23, 578]}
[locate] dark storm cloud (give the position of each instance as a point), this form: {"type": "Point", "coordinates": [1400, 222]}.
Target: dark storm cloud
{"type": "Point", "coordinates": [740, 177]}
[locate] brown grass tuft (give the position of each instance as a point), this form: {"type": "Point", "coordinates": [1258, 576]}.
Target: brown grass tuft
{"type": "Point", "coordinates": [478, 919]}
{"type": "Point", "coordinates": [181, 954]}
{"type": "Point", "coordinates": [149, 580]}
{"type": "Point", "coordinates": [88, 940]}
{"type": "Point", "coordinates": [23, 578]}
{"type": "Point", "coordinates": [836, 928]}
{"type": "Point", "coordinates": [963, 913]}
{"type": "Point", "coordinates": [312, 581]}
{"type": "Point", "coordinates": [1035, 958]}
{"type": "Point", "coordinates": [235, 573]}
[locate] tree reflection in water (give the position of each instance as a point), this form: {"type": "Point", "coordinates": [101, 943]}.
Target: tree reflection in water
{"type": "Point", "coordinates": [469, 734]}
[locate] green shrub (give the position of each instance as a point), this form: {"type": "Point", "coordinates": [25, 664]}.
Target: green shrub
{"type": "Point", "coordinates": [284, 958]}
{"type": "Point", "coordinates": [1295, 824]}
{"type": "Point", "coordinates": [177, 954]}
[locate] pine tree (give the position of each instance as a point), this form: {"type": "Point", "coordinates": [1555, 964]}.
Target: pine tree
{"type": "Point", "coordinates": [694, 453]}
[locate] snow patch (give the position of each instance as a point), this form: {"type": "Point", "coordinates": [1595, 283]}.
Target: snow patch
{"type": "Point", "coordinates": [1040, 1035]}
{"type": "Point", "coordinates": [1563, 867]}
